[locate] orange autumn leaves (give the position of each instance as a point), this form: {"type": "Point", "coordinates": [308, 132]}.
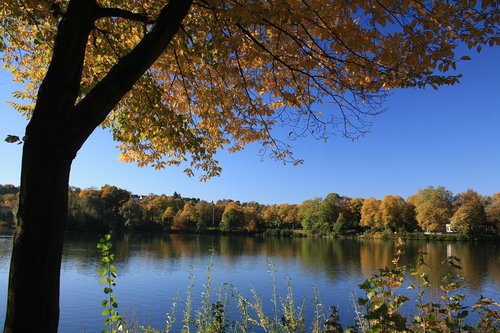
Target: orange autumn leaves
{"type": "Point", "coordinates": [238, 69]}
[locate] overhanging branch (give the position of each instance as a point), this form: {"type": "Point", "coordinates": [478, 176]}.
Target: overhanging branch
{"type": "Point", "coordinates": [98, 103]}
{"type": "Point", "coordinates": [122, 13]}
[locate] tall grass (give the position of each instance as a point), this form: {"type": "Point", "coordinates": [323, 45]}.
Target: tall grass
{"type": "Point", "coordinates": [377, 311]}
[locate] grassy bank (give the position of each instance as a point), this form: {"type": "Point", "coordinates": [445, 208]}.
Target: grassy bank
{"type": "Point", "coordinates": [428, 237]}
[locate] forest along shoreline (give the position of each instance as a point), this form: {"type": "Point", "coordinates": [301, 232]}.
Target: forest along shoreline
{"type": "Point", "coordinates": [433, 213]}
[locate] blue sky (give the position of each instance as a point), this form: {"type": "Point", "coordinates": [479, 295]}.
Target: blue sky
{"type": "Point", "coordinates": [448, 137]}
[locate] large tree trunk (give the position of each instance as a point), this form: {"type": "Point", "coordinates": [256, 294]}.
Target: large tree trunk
{"type": "Point", "coordinates": [33, 296]}
{"type": "Point", "coordinates": [33, 299]}
{"type": "Point", "coordinates": [57, 130]}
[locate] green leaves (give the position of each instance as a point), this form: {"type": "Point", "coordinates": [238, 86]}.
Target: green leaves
{"type": "Point", "coordinates": [102, 271]}
{"type": "Point", "coordinates": [112, 270]}
{"type": "Point", "coordinates": [108, 271]}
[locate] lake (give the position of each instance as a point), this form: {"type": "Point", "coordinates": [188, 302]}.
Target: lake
{"type": "Point", "coordinates": [152, 269]}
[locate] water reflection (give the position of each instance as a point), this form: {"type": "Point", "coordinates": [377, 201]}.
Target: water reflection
{"type": "Point", "coordinates": [480, 260]}
{"type": "Point", "coordinates": [152, 268]}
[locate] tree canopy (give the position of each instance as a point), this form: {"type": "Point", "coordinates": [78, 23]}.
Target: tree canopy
{"type": "Point", "coordinates": [493, 210]}
{"type": "Point", "coordinates": [433, 208]}
{"type": "Point", "coordinates": [178, 80]}
{"type": "Point", "coordinates": [470, 212]}
{"type": "Point", "coordinates": [236, 69]}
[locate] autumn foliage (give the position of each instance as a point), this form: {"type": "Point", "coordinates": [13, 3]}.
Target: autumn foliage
{"type": "Point", "coordinates": [114, 208]}
{"type": "Point", "coordinates": [237, 69]}
{"type": "Point", "coordinates": [176, 81]}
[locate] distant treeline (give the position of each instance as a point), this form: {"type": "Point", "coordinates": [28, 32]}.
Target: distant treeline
{"type": "Point", "coordinates": [429, 210]}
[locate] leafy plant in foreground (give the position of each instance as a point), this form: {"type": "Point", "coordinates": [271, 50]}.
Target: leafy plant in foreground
{"type": "Point", "coordinates": [381, 302]}
{"type": "Point", "coordinates": [378, 311]}
{"type": "Point", "coordinates": [107, 271]}
{"type": "Point", "coordinates": [453, 310]}
{"type": "Point", "coordinates": [332, 324]}
{"type": "Point", "coordinates": [490, 318]}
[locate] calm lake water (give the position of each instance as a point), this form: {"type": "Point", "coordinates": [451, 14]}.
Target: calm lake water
{"type": "Point", "coordinates": [152, 269]}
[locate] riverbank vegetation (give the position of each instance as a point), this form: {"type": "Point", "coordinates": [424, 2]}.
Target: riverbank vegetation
{"type": "Point", "coordinates": [381, 308]}
{"type": "Point", "coordinates": [430, 210]}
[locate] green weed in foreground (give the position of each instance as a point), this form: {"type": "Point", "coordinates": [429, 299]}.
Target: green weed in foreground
{"type": "Point", "coordinates": [107, 271]}
{"type": "Point", "coordinates": [377, 311]}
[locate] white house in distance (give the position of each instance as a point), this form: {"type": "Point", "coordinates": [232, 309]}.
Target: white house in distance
{"type": "Point", "coordinates": [483, 228]}
{"type": "Point", "coordinates": [137, 197]}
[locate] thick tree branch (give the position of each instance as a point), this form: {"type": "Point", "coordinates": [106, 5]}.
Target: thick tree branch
{"type": "Point", "coordinates": [98, 103]}
{"type": "Point", "coordinates": [122, 13]}
{"type": "Point", "coordinates": [59, 89]}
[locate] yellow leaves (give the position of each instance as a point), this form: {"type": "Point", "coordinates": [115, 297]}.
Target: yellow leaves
{"type": "Point", "coordinates": [231, 74]}
{"type": "Point", "coordinates": [386, 86]}
{"type": "Point", "coordinates": [125, 158]}
{"type": "Point", "coordinates": [221, 89]}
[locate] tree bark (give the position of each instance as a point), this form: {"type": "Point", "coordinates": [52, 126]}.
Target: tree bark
{"type": "Point", "coordinates": [33, 297]}
{"type": "Point", "coordinates": [57, 130]}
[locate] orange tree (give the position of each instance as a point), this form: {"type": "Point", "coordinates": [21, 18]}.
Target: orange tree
{"type": "Point", "coordinates": [178, 80]}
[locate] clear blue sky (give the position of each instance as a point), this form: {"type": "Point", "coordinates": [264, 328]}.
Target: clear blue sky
{"type": "Point", "coordinates": [448, 137]}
